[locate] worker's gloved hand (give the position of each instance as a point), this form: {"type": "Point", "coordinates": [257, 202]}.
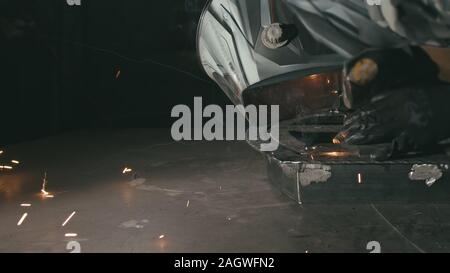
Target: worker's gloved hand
{"type": "Point", "coordinates": [411, 118]}
{"type": "Point", "coordinates": [380, 70]}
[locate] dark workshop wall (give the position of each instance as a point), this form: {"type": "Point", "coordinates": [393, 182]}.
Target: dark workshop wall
{"type": "Point", "coordinates": [103, 64]}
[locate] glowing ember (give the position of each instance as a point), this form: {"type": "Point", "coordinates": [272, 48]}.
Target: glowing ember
{"type": "Point", "coordinates": [25, 205]}
{"type": "Point", "coordinates": [24, 216]}
{"type": "Point", "coordinates": [336, 154]}
{"type": "Point", "coordinates": [162, 236]}
{"type": "Point", "coordinates": [360, 178]}
{"type": "Point", "coordinates": [71, 235]}
{"type": "Point", "coordinates": [15, 162]}
{"type": "Point", "coordinates": [68, 219]}
{"type": "Point", "coordinates": [127, 170]}
{"type": "Point", "coordinates": [1, 152]}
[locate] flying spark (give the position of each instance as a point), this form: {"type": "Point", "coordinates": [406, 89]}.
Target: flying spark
{"type": "Point", "coordinates": [162, 236]}
{"type": "Point", "coordinates": [15, 162]}
{"type": "Point", "coordinates": [68, 219]}
{"type": "Point", "coordinates": [25, 205]}
{"type": "Point", "coordinates": [44, 185]}
{"type": "Point", "coordinates": [188, 203]}
{"type": "Point", "coordinates": [127, 170]}
{"type": "Point", "coordinates": [71, 235]}
{"type": "Point", "coordinates": [45, 193]}
{"type": "Point", "coordinates": [360, 178]}
{"type": "Point", "coordinates": [24, 216]}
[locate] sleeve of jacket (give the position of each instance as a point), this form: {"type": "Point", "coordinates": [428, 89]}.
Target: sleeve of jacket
{"type": "Point", "coordinates": [423, 22]}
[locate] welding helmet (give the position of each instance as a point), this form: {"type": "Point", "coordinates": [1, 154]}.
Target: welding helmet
{"type": "Point", "coordinates": [285, 52]}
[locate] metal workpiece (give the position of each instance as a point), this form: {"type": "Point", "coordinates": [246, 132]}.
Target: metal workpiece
{"type": "Point", "coordinates": [427, 172]}
{"type": "Point", "coordinates": [337, 180]}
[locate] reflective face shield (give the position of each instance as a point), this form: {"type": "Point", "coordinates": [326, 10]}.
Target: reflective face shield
{"type": "Point", "coordinates": [301, 96]}
{"type": "Point", "coordinates": [238, 48]}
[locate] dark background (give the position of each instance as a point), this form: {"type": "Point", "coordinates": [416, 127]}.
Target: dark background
{"type": "Point", "coordinates": [59, 65]}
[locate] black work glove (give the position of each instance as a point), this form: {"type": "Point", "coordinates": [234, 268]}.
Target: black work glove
{"type": "Point", "coordinates": [378, 70]}
{"type": "Point", "coordinates": [411, 118]}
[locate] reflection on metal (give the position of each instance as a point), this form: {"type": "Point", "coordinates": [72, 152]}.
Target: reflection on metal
{"type": "Point", "coordinates": [314, 173]}
{"type": "Point", "coordinates": [426, 172]}
{"type": "Point", "coordinates": [336, 154]}
{"type": "Point", "coordinates": [326, 152]}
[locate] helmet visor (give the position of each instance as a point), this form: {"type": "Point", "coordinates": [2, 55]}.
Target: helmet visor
{"type": "Point", "coordinates": [309, 96]}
